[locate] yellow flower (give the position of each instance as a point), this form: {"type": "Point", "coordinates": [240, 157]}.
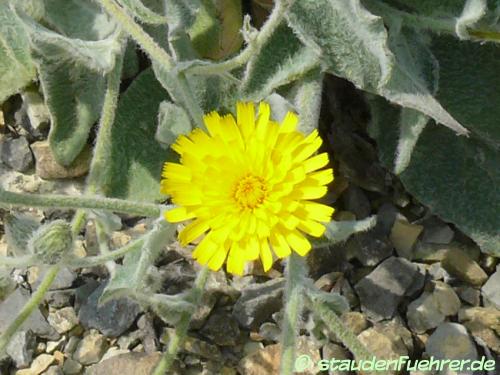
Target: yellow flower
{"type": "Point", "coordinates": [248, 186]}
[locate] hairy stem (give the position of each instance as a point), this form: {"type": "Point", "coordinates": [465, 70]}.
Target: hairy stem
{"type": "Point", "coordinates": [344, 334]}
{"type": "Point", "coordinates": [30, 306]}
{"type": "Point", "coordinates": [156, 53]}
{"type": "Point", "coordinates": [251, 49]}
{"type": "Point", "coordinates": [181, 329]}
{"type": "Point", "coordinates": [296, 271]}
{"type": "Point", "coordinates": [75, 202]}
{"type": "Point", "coordinates": [19, 262]}
{"type": "Point", "coordinates": [103, 258]}
{"type": "Point", "coordinates": [308, 100]}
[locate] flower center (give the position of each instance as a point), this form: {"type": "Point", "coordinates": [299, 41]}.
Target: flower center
{"type": "Point", "coordinates": [250, 191]}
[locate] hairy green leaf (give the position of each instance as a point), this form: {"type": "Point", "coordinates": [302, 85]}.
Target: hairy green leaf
{"type": "Point", "coordinates": [339, 231]}
{"type": "Point", "coordinates": [142, 12]}
{"type": "Point", "coordinates": [19, 228]}
{"type": "Point", "coordinates": [355, 45]}
{"type": "Point", "coordinates": [72, 58]}
{"type": "Point", "coordinates": [17, 69]}
{"type": "Point", "coordinates": [172, 122]}
{"type": "Point", "coordinates": [281, 60]}
{"type": "Point", "coordinates": [129, 277]}
{"type": "Point", "coordinates": [457, 177]}
{"type": "Point", "coordinates": [134, 160]}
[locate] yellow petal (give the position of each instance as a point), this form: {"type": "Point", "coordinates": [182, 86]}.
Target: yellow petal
{"type": "Point", "coordinates": [279, 245]}
{"type": "Point", "coordinates": [236, 260]}
{"type": "Point", "coordinates": [316, 162]}
{"type": "Point", "coordinates": [178, 214]}
{"type": "Point", "coordinates": [205, 250]}
{"type": "Point", "coordinates": [318, 211]}
{"type": "Point", "coordinates": [289, 123]}
{"type": "Point", "coordinates": [193, 231]}
{"type": "Point", "coordinates": [266, 256]}
{"type": "Point", "coordinates": [312, 228]}
{"type": "Point", "coordinates": [322, 177]}
{"type": "Point", "coordinates": [298, 242]}
{"type": "Point", "coordinates": [245, 117]}
{"type": "Point", "coordinates": [217, 260]}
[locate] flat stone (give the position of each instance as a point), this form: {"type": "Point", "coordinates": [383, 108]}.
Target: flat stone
{"type": "Point", "coordinates": [59, 298]}
{"type": "Point", "coordinates": [469, 294]}
{"type": "Point", "coordinates": [36, 110]}
{"type": "Point", "coordinates": [112, 318]}
{"type": "Point", "coordinates": [72, 367]}
{"type": "Point", "coordinates": [370, 247]}
{"type": "Point", "coordinates": [16, 154]}
{"type": "Point", "coordinates": [48, 168]}
{"type": "Point", "coordinates": [63, 320]}
{"type": "Point", "coordinates": [404, 236]}
{"type": "Point", "coordinates": [114, 351]}
{"type": "Point", "coordinates": [91, 348]}
{"type": "Point", "coordinates": [9, 309]}
{"type": "Point", "coordinates": [458, 264]}
{"type": "Point", "coordinates": [355, 201]}
{"type": "Point", "coordinates": [431, 308]}
{"type": "Point", "coordinates": [270, 331]}
{"type": "Point", "coordinates": [436, 231]}
{"type": "Point", "coordinates": [53, 370]}
{"type": "Point", "coordinates": [267, 360]}
{"type": "Point", "coordinates": [380, 345]}
{"type": "Point", "coordinates": [21, 348]}
{"type": "Point", "coordinates": [258, 302]}
{"type": "Point", "coordinates": [39, 365]}
{"type": "Point", "coordinates": [129, 363]}
{"type": "Point", "coordinates": [222, 328]}
{"type": "Point", "coordinates": [193, 345]}
{"type": "Point", "coordinates": [355, 321]}
{"type": "Point", "coordinates": [483, 323]}
{"type": "Point", "coordinates": [491, 290]}
{"type": "Point", "coordinates": [451, 341]}
{"type": "Point", "coordinates": [333, 351]}
{"type": "Point", "coordinates": [382, 290]}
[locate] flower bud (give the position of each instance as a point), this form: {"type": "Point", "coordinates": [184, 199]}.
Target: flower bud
{"type": "Point", "coordinates": [52, 242]}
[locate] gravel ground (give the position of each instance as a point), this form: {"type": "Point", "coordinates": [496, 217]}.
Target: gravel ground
{"type": "Point", "coordinates": [416, 285]}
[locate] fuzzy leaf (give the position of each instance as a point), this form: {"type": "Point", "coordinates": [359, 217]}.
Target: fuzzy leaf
{"type": "Point", "coordinates": [129, 277]}
{"type": "Point", "coordinates": [457, 177]}
{"type": "Point", "coordinates": [19, 228]}
{"type": "Point", "coordinates": [339, 231]}
{"type": "Point", "coordinates": [17, 69]}
{"type": "Point", "coordinates": [142, 12]}
{"type": "Point", "coordinates": [308, 100]}
{"type": "Point", "coordinates": [172, 122]}
{"type": "Point", "coordinates": [169, 308]}
{"type": "Point", "coordinates": [280, 61]}
{"type": "Point", "coordinates": [134, 160]}
{"type": "Point", "coordinates": [71, 58]}
{"type": "Point", "coordinates": [215, 33]}
{"type": "Point", "coordinates": [355, 45]}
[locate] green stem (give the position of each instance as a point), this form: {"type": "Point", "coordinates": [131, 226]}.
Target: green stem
{"type": "Point", "coordinates": [181, 329]}
{"type": "Point", "coordinates": [296, 271]}
{"type": "Point", "coordinates": [156, 53]}
{"type": "Point", "coordinates": [74, 202]}
{"type": "Point", "coordinates": [19, 262]}
{"type": "Point", "coordinates": [102, 240]}
{"type": "Point", "coordinates": [30, 306]}
{"type": "Point", "coordinates": [308, 100]}
{"type": "Point", "coordinates": [251, 49]}
{"type": "Point", "coordinates": [100, 259]}
{"type": "Point", "coordinates": [344, 334]}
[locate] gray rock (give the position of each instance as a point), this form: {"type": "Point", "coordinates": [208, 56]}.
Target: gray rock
{"type": "Point", "coordinates": [21, 348]}
{"type": "Point", "coordinates": [39, 365]}
{"type": "Point", "coordinates": [382, 290]}
{"type": "Point", "coordinates": [112, 318]}
{"type": "Point", "coordinates": [355, 201]}
{"type": "Point", "coordinates": [59, 298]}
{"type": "Point", "coordinates": [431, 308]}
{"type": "Point", "coordinates": [437, 231]}
{"type": "Point", "coordinates": [193, 345]}
{"type": "Point", "coordinates": [484, 324]}
{"type": "Point", "coordinates": [270, 331]}
{"type": "Point", "coordinates": [130, 363]}
{"type": "Point", "coordinates": [63, 320]}
{"type": "Point", "coordinates": [91, 348]}
{"type": "Point", "coordinates": [10, 307]}
{"type": "Point", "coordinates": [63, 280]}
{"type": "Point", "coordinates": [469, 294]}
{"type": "Point", "coordinates": [222, 329]}
{"type": "Point", "coordinates": [370, 248]}
{"type": "Point", "coordinates": [16, 154]}
{"type": "Point", "coordinates": [72, 367]}
{"type": "Point", "coordinates": [53, 370]}
{"type": "Point", "coordinates": [36, 111]}
{"type": "Point", "coordinates": [333, 351]}
{"type": "Point", "coordinates": [491, 290]}
{"type": "Point", "coordinates": [457, 263]}
{"type": "Point", "coordinates": [451, 341]}
{"type": "Point", "coordinates": [258, 302]}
